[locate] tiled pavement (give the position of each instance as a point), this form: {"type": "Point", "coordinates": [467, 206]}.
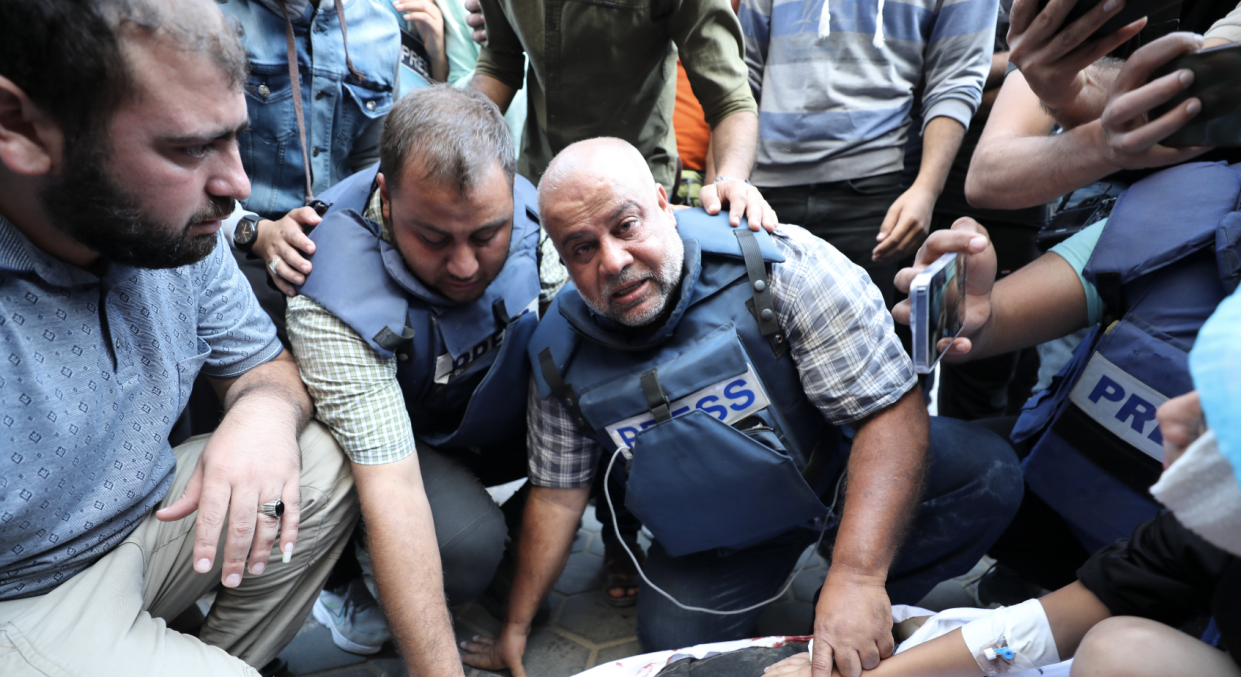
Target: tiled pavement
{"type": "Point", "coordinates": [583, 629]}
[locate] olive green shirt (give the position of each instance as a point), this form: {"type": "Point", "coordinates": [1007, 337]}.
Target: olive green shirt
{"type": "Point", "coordinates": [608, 68]}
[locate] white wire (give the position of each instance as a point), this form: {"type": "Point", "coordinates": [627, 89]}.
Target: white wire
{"type": "Point", "coordinates": [607, 494]}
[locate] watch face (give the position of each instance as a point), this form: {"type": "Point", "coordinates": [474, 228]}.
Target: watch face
{"type": "Point", "coordinates": [245, 232]}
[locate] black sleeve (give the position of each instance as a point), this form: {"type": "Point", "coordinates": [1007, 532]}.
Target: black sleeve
{"type": "Point", "coordinates": [1164, 572]}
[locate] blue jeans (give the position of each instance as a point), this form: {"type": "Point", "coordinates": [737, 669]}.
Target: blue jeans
{"type": "Point", "coordinates": [973, 488]}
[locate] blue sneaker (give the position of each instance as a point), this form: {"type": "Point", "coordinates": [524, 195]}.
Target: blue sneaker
{"type": "Point", "coordinates": [354, 617]}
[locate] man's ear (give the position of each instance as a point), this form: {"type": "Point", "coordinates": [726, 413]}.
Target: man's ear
{"type": "Point", "coordinates": [30, 141]}
{"type": "Point", "coordinates": [384, 201]}
{"type": "Point", "coordinates": [661, 198]}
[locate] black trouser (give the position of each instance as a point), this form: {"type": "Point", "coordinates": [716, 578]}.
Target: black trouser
{"type": "Point", "coordinates": [847, 215]}
{"type": "Point", "coordinates": [1038, 544]}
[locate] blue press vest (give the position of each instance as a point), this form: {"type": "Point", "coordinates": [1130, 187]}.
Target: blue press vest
{"type": "Point", "coordinates": [696, 481]}
{"type": "Point", "coordinates": [1167, 257]}
{"type": "Point", "coordinates": [461, 367]}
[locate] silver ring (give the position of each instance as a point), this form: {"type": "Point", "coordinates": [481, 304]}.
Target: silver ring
{"type": "Point", "coordinates": [273, 509]}
{"type": "Point", "coordinates": [272, 266]}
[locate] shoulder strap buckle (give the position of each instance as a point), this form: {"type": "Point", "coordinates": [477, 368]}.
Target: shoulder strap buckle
{"type": "Point", "coordinates": [761, 302]}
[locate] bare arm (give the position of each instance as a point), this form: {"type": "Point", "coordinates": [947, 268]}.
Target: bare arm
{"type": "Point", "coordinates": [734, 142]}
{"type": "Point", "coordinates": [853, 619]}
{"type": "Point", "coordinates": [1018, 163]}
{"type": "Point", "coordinates": [1071, 612]}
{"type": "Point", "coordinates": [547, 532]}
{"type": "Point", "coordinates": [495, 90]}
{"type": "Point", "coordinates": [1039, 302]}
{"type": "Point", "coordinates": [402, 544]}
{"type": "Point", "coordinates": [909, 218]}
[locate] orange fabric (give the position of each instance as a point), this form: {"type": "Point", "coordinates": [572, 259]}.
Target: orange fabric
{"type": "Point", "coordinates": [690, 124]}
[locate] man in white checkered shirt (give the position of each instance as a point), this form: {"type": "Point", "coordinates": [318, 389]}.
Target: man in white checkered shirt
{"type": "Point", "coordinates": [618, 237]}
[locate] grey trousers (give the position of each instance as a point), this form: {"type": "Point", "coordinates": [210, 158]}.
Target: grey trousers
{"type": "Point", "coordinates": [110, 618]}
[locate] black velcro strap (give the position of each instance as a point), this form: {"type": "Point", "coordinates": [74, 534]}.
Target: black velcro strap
{"type": "Point", "coordinates": [763, 309]}
{"type": "Point", "coordinates": [563, 390]}
{"type": "Point", "coordinates": [1113, 455]}
{"type": "Point", "coordinates": [656, 401]}
{"type": "Point", "coordinates": [390, 340]}
{"type": "Point", "coordinates": [1109, 287]}
{"type": "Point", "coordinates": [501, 314]}
{"type": "Point", "coordinates": [820, 457]}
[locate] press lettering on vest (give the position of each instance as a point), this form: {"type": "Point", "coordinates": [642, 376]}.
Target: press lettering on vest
{"type": "Point", "coordinates": [1121, 403]}
{"type": "Point", "coordinates": [729, 401]}
{"type": "Point", "coordinates": [448, 369]}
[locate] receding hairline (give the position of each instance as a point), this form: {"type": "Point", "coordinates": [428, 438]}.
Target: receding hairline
{"type": "Point", "coordinates": [593, 158]}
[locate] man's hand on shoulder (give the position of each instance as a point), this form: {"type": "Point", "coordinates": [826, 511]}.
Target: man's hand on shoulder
{"type": "Point", "coordinates": [252, 458]}
{"type": "Point", "coordinates": [852, 625]}
{"type": "Point", "coordinates": [743, 200]}
{"type": "Point", "coordinates": [281, 245]}
{"type": "Point", "coordinates": [1132, 136]}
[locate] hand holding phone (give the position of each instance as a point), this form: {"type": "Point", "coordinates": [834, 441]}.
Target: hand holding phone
{"type": "Point", "coordinates": [937, 310]}
{"type": "Point", "coordinates": [969, 241]}
{"type": "Point", "coordinates": [1217, 87]}
{"type": "Point", "coordinates": [1053, 42]}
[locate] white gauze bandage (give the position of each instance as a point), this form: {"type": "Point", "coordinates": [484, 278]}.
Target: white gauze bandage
{"type": "Point", "coordinates": [1011, 639]}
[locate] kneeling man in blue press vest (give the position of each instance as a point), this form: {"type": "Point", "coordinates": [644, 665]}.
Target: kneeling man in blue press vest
{"type": "Point", "coordinates": [722, 367]}
{"type": "Point", "coordinates": [1144, 280]}
{"type": "Point", "coordinates": [413, 326]}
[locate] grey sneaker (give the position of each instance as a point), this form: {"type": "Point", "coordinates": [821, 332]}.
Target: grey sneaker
{"type": "Point", "coordinates": [354, 617]}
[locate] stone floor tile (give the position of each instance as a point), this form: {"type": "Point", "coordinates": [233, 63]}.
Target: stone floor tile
{"type": "Point", "coordinates": [615, 653]}
{"type": "Point", "coordinates": [807, 583]}
{"type": "Point", "coordinates": [579, 542]}
{"type": "Point", "coordinates": [591, 616]}
{"type": "Point", "coordinates": [596, 545]}
{"type": "Point", "coordinates": [785, 618]}
{"type": "Point", "coordinates": [583, 572]}
{"type": "Point", "coordinates": [589, 521]}
{"type": "Point", "coordinates": [313, 651]}
{"type": "Point", "coordinates": [473, 619]}
{"type": "Point", "coordinates": [549, 654]}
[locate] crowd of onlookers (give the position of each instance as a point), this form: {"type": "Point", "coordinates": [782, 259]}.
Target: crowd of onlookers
{"type": "Point", "coordinates": [286, 285]}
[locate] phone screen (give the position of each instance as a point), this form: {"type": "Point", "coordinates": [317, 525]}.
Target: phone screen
{"type": "Point", "coordinates": [1217, 84]}
{"type": "Point", "coordinates": [938, 309]}
{"type": "Point", "coordinates": [1132, 11]}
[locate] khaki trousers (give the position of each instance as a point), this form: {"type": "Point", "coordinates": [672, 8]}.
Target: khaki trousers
{"type": "Point", "coordinates": [109, 619]}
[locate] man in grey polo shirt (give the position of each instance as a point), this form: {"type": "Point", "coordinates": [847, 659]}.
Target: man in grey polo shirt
{"type": "Point", "coordinates": [118, 158]}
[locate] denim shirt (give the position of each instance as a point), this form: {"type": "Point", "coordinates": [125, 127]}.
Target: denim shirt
{"type": "Point", "coordinates": [343, 115]}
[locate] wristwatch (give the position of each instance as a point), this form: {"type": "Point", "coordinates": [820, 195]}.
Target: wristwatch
{"type": "Point", "coordinates": [247, 233]}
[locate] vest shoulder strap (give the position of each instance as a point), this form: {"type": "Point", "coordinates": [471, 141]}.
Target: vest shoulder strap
{"type": "Point", "coordinates": [351, 193]}
{"type": "Point", "coordinates": [347, 260]}
{"type": "Point", "coordinates": [716, 235]}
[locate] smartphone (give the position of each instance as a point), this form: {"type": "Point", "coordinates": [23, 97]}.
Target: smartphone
{"type": "Point", "coordinates": [937, 309]}
{"type": "Point", "coordinates": [1217, 84]}
{"type": "Point", "coordinates": [1132, 11]}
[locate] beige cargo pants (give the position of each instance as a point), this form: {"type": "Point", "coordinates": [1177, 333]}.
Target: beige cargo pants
{"type": "Point", "coordinates": [109, 619]}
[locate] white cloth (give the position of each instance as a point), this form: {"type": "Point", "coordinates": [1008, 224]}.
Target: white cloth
{"type": "Point", "coordinates": [1201, 490]}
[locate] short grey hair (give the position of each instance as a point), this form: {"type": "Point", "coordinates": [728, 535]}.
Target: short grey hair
{"type": "Point", "coordinates": [452, 136]}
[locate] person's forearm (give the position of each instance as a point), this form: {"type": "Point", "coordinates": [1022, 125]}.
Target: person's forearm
{"type": "Point", "coordinates": [402, 545]}
{"type": "Point", "coordinates": [734, 144]}
{"type": "Point", "coordinates": [500, 93]}
{"type": "Point", "coordinates": [1040, 301]}
{"type": "Point", "coordinates": [1071, 612]}
{"type": "Point", "coordinates": [887, 467]}
{"type": "Point", "coordinates": [274, 390]}
{"type": "Point", "coordinates": [1013, 171]}
{"type": "Point", "coordinates": [547, 532]}
{"type": "Point", "coordinates": [940, 142]}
